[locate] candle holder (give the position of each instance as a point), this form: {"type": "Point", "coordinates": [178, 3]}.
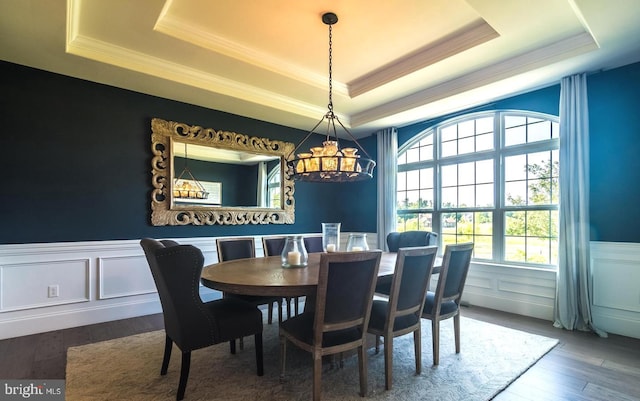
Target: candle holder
{"type": "Point", "coordinates": [357, 242]}
{"type": "Point", "coordinates": [294, 254]}
{"type": "Point", "coordinates": [331, 237]}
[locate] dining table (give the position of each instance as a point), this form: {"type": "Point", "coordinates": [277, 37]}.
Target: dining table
{"type": "Point", "coordinates": [266, 275]}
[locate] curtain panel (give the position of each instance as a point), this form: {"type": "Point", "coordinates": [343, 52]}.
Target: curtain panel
{"type": "Point", "coordinates": [387, 173]}
{"type": "Point", "coordinates": [572, 309]}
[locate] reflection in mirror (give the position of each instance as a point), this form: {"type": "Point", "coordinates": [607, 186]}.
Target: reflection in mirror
{"type": "Point", "coordinates": [203, 177]}
{"type": "Point", "coordinates": [221, 177]}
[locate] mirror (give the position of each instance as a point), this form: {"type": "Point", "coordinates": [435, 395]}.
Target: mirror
{"type": "Point", "coordinates": [202, 177]}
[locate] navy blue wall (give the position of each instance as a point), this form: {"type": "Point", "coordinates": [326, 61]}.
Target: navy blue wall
{"type": "Point", "coordinates": [76, 160]}
{"type": "Point", "coordinates": [76, 163]}
{"type": "Point", "coordinates": [614, 128]}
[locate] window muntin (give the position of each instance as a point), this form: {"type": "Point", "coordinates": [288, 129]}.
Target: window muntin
{"type": "Point", "coordinates": [493, 180]}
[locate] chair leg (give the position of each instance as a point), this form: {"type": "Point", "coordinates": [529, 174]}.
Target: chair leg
{"type": "Point", "coordinates": [388, 361]}
{"type": "Point", "coordinates": [317, 377]}
{"type": "Point", "coordinates": [296, 301]}
{"type": "Point", "coordinates": [184, 374]}
{"type": "Point", "coordinates": [362, 365]}
{"type": "Point", "coordinates": [417, 346]}
{"type": "Point", "coordinates": [270, 313]}
{"type": "Point", "coordinates": [288, 301]}
{"type": "Point", "coordinates": [378, 344]}
{"type": "Point", "coordinates": [241, 343]}
{"type": "Point", "coordinates": [168, 345]}
{"type": "Point", "coordinates": [456, 330]}
{"type": "Point", "coordinates": [259, 354]}
{"type": "Point", "coordinates": [232, 346]}
{"type": "Point", "coordinates": [280, 311]}
{"type": "Point", "coordinates": [435, 334]}
{"type": "Point", "coordinates": [283, 356]}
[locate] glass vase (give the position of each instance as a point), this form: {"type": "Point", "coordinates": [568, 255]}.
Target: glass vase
{"type": "Point", "coordinates": [357, 242]}
{"type": "Point", "coordinates": [331, 237]}
{"type": "Point", "coordinates": [294, 254]}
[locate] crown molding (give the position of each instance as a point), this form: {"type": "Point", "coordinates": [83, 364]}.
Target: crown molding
{"type": "Point", "coordinates": [525, 62]}
{"type": "Point", "coordinates": [471, 35]}
{"type": "Point", "coordinates": [183, 31]}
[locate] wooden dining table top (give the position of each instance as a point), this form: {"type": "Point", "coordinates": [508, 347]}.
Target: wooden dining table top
{"type": "Point", "coordinates": [266, 276]}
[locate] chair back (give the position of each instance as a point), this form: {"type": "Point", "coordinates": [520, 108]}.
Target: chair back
{"type": "Point", "coordinates": [406, 239]}
{"type": "Point", "coordinates": [235, 248]}
{"type": "Point", "coordinates": [176, 270]}
{"type": "Point", "coordinates": [455, 266]}
{"type": "Point", "coordinates": [411, 281]}
{"type": "Point", "coordinates": [273, 246]}
{"type": "Point", "coordinates": [346, 283]}
{"type": "Point", "coordinates": [313, 244]}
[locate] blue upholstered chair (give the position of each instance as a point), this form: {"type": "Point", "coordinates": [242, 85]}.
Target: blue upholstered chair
{"type": "Point", "coordinates": [445, 301]}
{"type": "Point", "coordinates": [406, 239]}
{"type": "Point", "coordinates": [189, 322]}
{"type": "Point", "coordinates": [400, 314]}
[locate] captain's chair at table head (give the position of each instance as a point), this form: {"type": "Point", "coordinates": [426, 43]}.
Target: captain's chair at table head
{"type": "Point", "coordinates": [405, 239]}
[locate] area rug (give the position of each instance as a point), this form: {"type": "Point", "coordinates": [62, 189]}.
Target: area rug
{"type": "Point", "coordinates": [129, 368]}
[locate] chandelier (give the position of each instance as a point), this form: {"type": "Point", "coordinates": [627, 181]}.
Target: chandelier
{"type": "Point", "coordinates": [186, 186]}
{"type": "Point", "coordinates": [330, 163]}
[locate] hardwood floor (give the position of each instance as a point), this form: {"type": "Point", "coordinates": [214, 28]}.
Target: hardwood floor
{"type": "Point", "coordinates": [582, 367]}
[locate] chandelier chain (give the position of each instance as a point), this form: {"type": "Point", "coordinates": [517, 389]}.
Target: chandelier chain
{"type": "Point", "coordinates": [330, 70]}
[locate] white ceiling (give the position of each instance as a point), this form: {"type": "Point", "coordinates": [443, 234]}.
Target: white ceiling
{"type": "Point", "coordinates": [394, 62]}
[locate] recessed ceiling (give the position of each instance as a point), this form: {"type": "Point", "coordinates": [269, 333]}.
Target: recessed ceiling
{"type": "Point", "coordinates": [393, 63]}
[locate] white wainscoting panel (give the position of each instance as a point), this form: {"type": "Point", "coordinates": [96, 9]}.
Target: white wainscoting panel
{"type": "Point", "coordinates": [26, 285]}
{"type": "Point", "coordinates": [615, 273]}
{"type": "Point", "coordinates": [124, 276]}
{"type": "Point", "coordinates": [529, 292]}
{"type": "Point", "coordinates": [108, 280]}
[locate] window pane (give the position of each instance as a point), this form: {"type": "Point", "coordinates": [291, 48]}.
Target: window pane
{"type": "Point", "coordinates": [515, 193]}
{"type": "Point", "coordinates": [484, 142]}
{"type": "Point", "coordinates": [539, 131]}
{"type": "Point", "coordinates": [484, 125]}
{"type": "Point", "coordinates": [413, 155]}
{"type": "Point", "coordinates": [466, 145]}
{"type": "Point", "coordinates": [512, 121]}
{"type": "Point", "coordinates": [514, 249]}
{"type": "Point", "coordinates": [515, 136]}
{"type": "Point", "coordinates": [466, 196]}
{"type": "Point", "coordinates": [515, 223]}
{"type": "Point", "coordinates": [484, 171]}
{"type": "Point", "coordinates": [413, 179]}
{"type": "Point", "coordinates": [515, 167]}
{"type": "Point", "coordinates": [450, 175]}
{"type": "Point", "coordinates": [426, 178]}
{"type": "Point", "coordinates": [426, 199]}
{"type": "Point", "coordinates": [449, 149]}
{"type": "Point", "coordinates": [466, 129]}
{"type": "Point", "coordinates": [484, 195]}
{"type": "Point", "coordinates": [466, 173]}
{"type": "Point", "coordinates": [449, 133]}
{"type": "Point", "coordinates": [401, 182]}
{"type": "Point", "coordinates": [449, 197]}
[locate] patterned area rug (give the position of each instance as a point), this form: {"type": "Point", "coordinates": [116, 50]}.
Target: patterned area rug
{"type": "Point", "coordinates": [129, 368]}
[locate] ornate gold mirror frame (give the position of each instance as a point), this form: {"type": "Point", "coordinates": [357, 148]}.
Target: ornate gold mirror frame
{"type": "Point", "coordinates": [164, 211]}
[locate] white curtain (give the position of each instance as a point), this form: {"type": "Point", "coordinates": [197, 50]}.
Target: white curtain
{"type": "Point", "coordinates": [386, 170]}
{"type": "Point", "coordinates": [573, 301]}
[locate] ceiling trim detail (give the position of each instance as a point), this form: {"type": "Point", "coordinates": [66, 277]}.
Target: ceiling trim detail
{"type": "Point", "coordinates": [569, 47]}
{"type": "Point", "coordinates": [469, 36]}
{"type": "Point", "coordinates": [182, 30]}
{"type": "Point", "coordinates": [143, 63]}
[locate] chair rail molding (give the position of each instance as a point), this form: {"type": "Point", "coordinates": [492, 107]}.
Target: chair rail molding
{"type": "Point", "coordinates": [99, 281]}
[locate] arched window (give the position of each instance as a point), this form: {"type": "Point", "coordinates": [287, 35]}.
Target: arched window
{"type": "Point", "coordinates": [490, 178]}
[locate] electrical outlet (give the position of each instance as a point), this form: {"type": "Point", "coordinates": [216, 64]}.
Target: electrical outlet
{"type": "Point", "coordinates": [54, 291]}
